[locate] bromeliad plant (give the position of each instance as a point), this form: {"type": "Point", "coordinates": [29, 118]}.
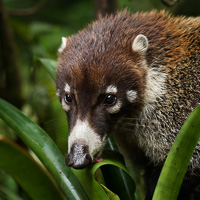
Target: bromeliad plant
{"type": "Point", "coordinates": [54, 180]}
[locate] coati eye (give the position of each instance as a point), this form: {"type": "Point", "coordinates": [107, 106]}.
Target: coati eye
{"type": "Point", "coordinates": [68, 98]}
{"type": "Point", "coordinates": [110, 99]}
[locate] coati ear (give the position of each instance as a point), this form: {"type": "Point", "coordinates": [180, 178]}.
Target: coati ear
{"type": "Point", "coordinates": [63, 45]}
{"type": "Point", "coordinates": [140, 44]}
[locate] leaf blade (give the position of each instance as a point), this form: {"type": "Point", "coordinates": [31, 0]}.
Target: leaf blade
{"type": "Point", "coordinates": [178, 159]}
{"type": "Point", "coordinates": [43, 146]}
{"type": "Point", "coordinates": [12, 157]}
{"type": "Point", "coordinates": [94, 189]}
{"type": "Point", "coordinates": [49, 65]}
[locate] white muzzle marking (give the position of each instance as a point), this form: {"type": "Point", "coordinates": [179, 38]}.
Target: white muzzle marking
{"type": "Point", "coordinates": [83, 133]}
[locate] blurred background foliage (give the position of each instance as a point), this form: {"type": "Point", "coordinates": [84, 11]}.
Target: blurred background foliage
{"type": "Point", "coordinates": [33, 28]}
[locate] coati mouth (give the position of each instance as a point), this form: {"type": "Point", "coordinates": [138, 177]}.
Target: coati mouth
{"type": "Point", "coordinates": [79, 157]}
{"type": "Point", "coordinates": [97, 159]}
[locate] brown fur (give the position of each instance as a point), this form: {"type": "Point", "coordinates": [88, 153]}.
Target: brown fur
{"type": "Point", "coordinates": [101, 55]}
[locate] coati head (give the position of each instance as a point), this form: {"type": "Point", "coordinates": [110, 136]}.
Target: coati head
{"type": "Point", "coordinates": [99, 81]}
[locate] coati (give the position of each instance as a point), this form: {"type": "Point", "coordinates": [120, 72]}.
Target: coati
{"type": "Point", "coordinates": [134, 76]}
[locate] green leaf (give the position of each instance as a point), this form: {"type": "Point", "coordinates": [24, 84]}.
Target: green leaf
{"type": "Point", "coordinates": [36, 181]}
{"type": "Point", "coordinates": [119, 181]}
{"type": "Point", "coordinates": [176, 164]}
{"type": "Point", "coordinates": [43, 146]}
{"type": "Point", "coordinates": [94, 189]}
{"type": "Point", "coordinates": [111, 195]}
{"type": "Point", "coordinates": [123, 184]}
{"type": "Point", "coordinates": [8, 194]}
{"type": "Point", "coordinates": [49, 65]}
{"type": "Point", "coordinates": [116, 176]}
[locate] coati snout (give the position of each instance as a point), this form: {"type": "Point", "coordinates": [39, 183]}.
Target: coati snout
{"type": "Point", "coordinates": [136, 77]}
{"type": "Point", "coordinates": [78, 156]}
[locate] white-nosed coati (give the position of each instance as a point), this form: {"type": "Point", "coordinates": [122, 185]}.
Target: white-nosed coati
{"type": "Point", "coordinates": [136, 76]}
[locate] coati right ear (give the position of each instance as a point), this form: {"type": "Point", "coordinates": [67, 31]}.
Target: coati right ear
{"type": "Point", "coordinates": [140, 44]}
{"type": "Point", "coordinates": [63, 44]}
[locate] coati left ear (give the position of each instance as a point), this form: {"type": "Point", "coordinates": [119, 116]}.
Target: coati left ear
{"type": "Point", "coordinates": [63, 44]}
{"type": "Point", "coordinates": [140, 44]}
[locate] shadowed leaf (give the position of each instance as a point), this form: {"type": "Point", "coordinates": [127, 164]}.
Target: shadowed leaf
{"type": "Point", "coordinates": [34, 179]}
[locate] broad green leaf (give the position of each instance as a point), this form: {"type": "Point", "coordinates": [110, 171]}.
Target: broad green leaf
{"type": "Point", "coordinates": [176, 164]}
{"type": "Point", "coordinates": [36, 181]}
{"type": "Point", "coordinates": [43, 146]}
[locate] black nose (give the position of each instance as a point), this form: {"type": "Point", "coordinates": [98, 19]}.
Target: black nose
{"type": "Point", "coordinates": [78, 157]}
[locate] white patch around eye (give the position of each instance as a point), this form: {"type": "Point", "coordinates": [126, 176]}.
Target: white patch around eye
{"type": "Point", "coordinates": [63, 45]}
{"type": "Point", "coordinates": [115, 108]}
{"type": "Point", "coordinates": [67, 88]}
{"type": "Point", "coordinates": [111, 89]}
{"type": "Point", "coordinates": [131, 95]}
{"type": "Point", "coordinates": [65, 106]}
{"type": "Point", "coordinates": [83, 133]}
